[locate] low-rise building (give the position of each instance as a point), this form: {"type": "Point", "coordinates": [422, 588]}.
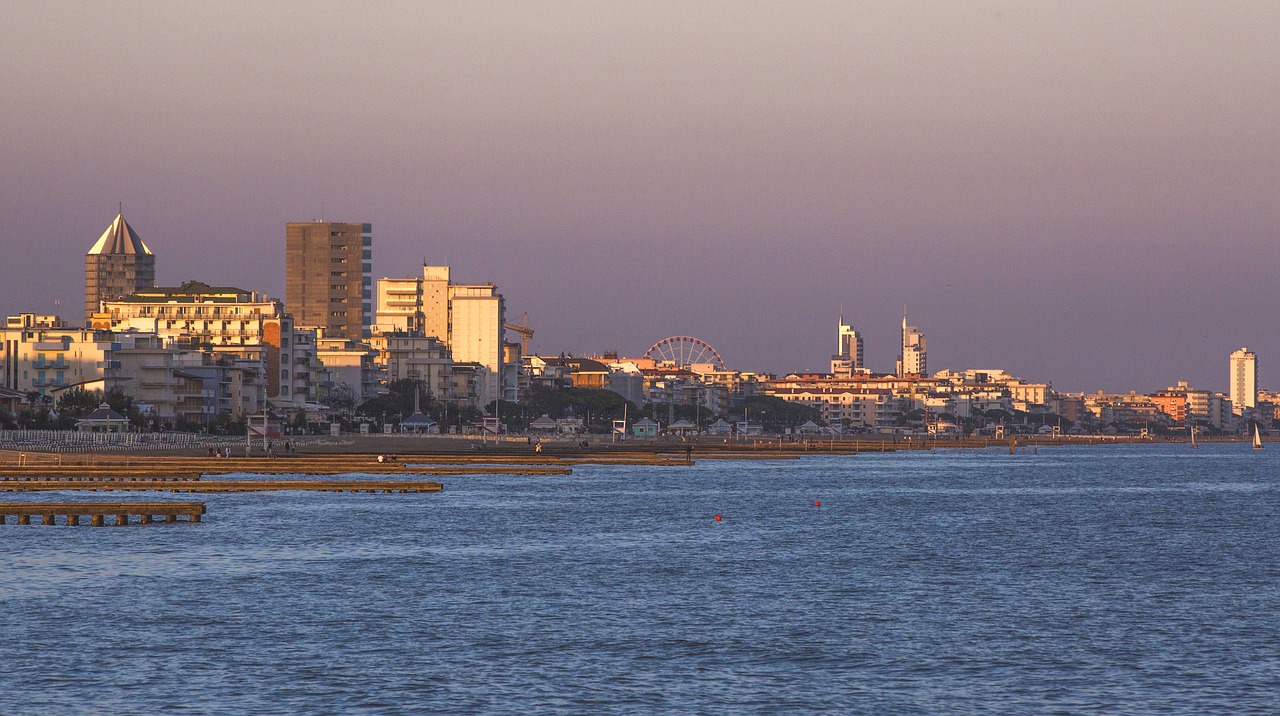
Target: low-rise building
{"type": "Point", "coordinates": [45, 356]}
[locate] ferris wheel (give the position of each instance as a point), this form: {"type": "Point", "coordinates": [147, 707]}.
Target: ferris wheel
{"type": "Point", "coordinates": [684, 351]}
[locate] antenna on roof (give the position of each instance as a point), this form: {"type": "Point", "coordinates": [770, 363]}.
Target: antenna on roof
{"type": "Point", "coordinates": [120, 206]}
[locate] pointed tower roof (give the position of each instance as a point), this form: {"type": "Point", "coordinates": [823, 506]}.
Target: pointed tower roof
{"type": "Point", "coordinates": [120, 238]}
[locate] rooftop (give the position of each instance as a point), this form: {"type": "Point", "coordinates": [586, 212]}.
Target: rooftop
{"type": "Point", "coordinates": [120, 238]}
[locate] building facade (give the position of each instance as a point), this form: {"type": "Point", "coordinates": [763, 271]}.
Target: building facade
{"type": "Point", "coordinates": [118, 265]}
{"type": "Point", "coordinates": [468, 318]}
{"type": "Point", "coordinates": [50, 358]}
{"type": "Point", "coordinates": [194, 313]}
{"type": "Point", "coordinates": [328, 276]}
{"type": "Point", "coordinates": [848, 358]}
{"type": "Point", "coordinates": [1244, 380]}
{"type": "Point", "coordinates": [914, 357]}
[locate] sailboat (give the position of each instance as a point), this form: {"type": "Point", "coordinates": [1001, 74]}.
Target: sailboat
{"type": "Point", "coordinates": [1257, 438]}
{"type": "Point", "coordinates": [1193, 438]}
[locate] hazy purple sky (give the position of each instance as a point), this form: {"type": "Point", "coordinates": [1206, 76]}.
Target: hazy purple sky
{"type": "Point", "coordinates": [1084, 193]}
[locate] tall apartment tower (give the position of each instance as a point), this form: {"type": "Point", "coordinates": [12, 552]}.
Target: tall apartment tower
{"type": "Point", "coordinates": [848, 357]}
{"type": "Point", "coordinates": [850, 343]}
{"type": "Point", "coordinates": [468, 318]}
{"type": "Point", "coordinates": [118, 265]}
{"type": "Point", "coordinates": [329, 276]}
{"type": "Point", "coordinates": [1244, 380]}
{"type": "Point", "coordinates": [914, 358]}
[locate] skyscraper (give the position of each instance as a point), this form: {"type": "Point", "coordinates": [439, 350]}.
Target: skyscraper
{"type": "Point", "coordinates": [329, 276]}
{"type": "Point", "coordinates": [118, 265]}
{"type": "Point", "coordinates": [914, 358]}
{"type": "Point", "coordinates": [1244, 380]}
{"type": "Point", "coordinates": [848, 357]}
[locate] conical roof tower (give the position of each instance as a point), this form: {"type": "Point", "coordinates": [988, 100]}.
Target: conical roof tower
{"type": "Point", "coordinates": [118, 265]}
{"type": "Point", "coordinates": [120, 238]}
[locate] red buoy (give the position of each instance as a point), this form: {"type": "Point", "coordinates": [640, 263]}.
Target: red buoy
{"type": "Point", "coordinates": [817, 503]}
{"type": "Point", "coordinates": [717, 518]}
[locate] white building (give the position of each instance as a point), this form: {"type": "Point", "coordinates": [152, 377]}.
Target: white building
{"type": "Point", "coordinates": [1244, 380]}
{"type": "Point", "coordinates": [346, 365]}
{"type": "Point", "coordinates": [194, 313]}
{"type": "Point", "coordinates": [46, 357]}
{"type": "Point", "coordinates": [420, 358]}
{"type": "Point", "coordinates": [849, 352]}
{"type": "Point", "coordinates": [468, 318]}
{"type": "Point", "coordinates": [914, 357]}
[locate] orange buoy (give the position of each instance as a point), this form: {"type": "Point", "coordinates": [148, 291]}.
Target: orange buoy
{"type": "Point", "coordinates": [717, 518]}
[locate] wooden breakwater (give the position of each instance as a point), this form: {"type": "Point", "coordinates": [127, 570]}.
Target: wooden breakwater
{"type": "Point", "coordinates": [179, 470]}
{"type": "Point", "coordinates": [372, 486]}
{"type": "Point", "coordinates": [121, 512]}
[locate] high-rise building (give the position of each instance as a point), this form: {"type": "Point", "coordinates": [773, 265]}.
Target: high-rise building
{"type": "Point", "coordinates": [1244, 380]}
{"type": "Point", "coordinates": [476, 332]}
{"type": "Point", "coordinates": [467, 318]}
{"type": "Point", "coordinates": [848, 358]}
{"type": "Point", "coordinates": [850, 342]}
{"type": "Point", "coordinates": [914, 358]}
{"type": "Point", "coordinates": [328, 276]}
{"type": "Point", "coordinates": [118, 265]}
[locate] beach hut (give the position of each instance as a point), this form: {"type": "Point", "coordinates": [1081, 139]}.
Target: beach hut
{"type": "Point", "coordinates": [644, 428]}
{"type": "Point", "coordinates": [719, 427]}
{"type": "Point", "coordinates": [418, 424]}
{"type": "Point", "coordinates": [810, 428]}
{"type": "Point", "coordinates": [683, 426]}
{"type": "Point", "coordinates": [103, 420]}
{"type": "Point", "coordinates": [545, 424]}
{"type": "Point", "coordinates": [570, 425]}
{"type": "Point", "coordinates": [746, 427]}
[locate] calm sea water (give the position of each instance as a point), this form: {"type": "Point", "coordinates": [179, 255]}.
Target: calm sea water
{"type": "Point", "coordinates": [1120, 579]}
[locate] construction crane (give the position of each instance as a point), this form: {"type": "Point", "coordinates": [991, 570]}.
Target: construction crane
{"type": "Point", "coordinates": [526, 333]}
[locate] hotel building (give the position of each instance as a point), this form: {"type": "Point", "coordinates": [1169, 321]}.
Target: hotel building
{"type": "Point", "coordinates": [118, 265]}
{"type": "Point", "coordinates": [1244, 380]}
{"type": "Point", "coordinates": [467, 318]}
{"type": "Point", "coordinates": [914, 357]}
{"type": "Point", "coordinates": [328, 276]}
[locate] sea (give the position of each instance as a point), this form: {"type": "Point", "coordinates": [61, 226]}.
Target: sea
{"type": "Point", "coordinates": [1116, 579]}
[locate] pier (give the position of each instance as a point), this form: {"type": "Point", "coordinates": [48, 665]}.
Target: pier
{"type": "Point", "coordinates": [97, 512]}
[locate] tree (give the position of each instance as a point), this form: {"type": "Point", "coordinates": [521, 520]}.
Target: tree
{"type": "Point", "coordinates": [775, 413]}
{"type": "Point", "coordinates": [397, 401]}
{"type": "Point", "coordinates": [78, 402]}
{"type": "Point", "coordinates": [599, 406]}
{"type": "Point", "coordinates": [342, 399]}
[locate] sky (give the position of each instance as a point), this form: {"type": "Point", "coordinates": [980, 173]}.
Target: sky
{"type": "Point", "coordinates": [1084, 193]}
